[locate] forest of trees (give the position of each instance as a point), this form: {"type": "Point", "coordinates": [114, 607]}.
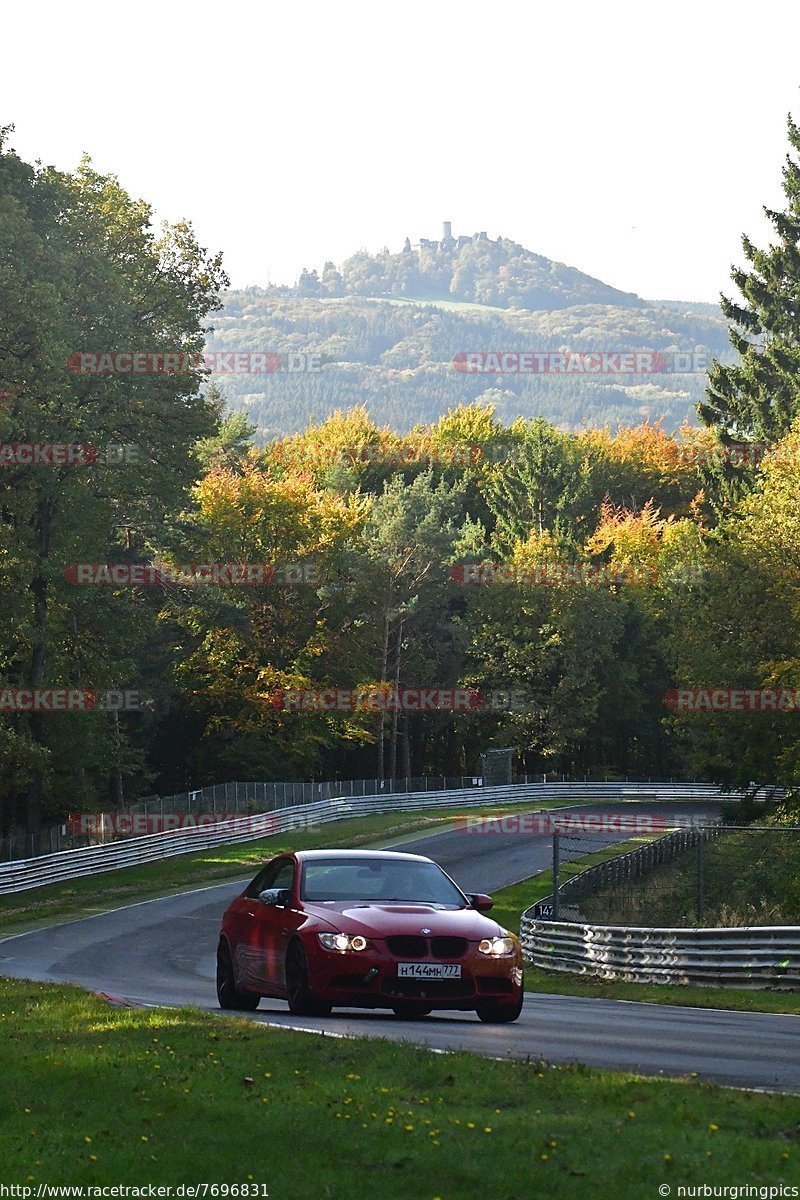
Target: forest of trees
{"type": "Point", "coordinates": [701, 540]}
{"type": "Point", "coordinates": [396, 358]}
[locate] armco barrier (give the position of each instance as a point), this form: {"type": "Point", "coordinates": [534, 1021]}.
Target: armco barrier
{"type": "Point", "coordinates": [23, 874]}
{"type": "Point", "coordinates": [766, 956]}
{"type": "Point", "coordinates": [755, 957]}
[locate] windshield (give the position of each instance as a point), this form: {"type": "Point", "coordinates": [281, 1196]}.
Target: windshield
{"type": "Point", "coordinates": [372, 879]}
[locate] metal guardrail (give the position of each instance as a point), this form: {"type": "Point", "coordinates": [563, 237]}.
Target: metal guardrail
{"type": "Point", "coordinates": [24, 874]}
{"type": "Point", "coordinates": [766, 956]}
{"type": "Point", "coordinates": [249, 799]}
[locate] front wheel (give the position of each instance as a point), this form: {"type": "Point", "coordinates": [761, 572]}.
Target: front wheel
{"type": "Point", "coordinates": [298, 992]}
{"type": "Point", "coordinates": [227, 993]}
{"type": "Point", "coordinates": [493, 1012]}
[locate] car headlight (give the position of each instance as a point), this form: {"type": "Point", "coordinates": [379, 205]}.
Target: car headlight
{"type": "Point", "coordinates": [342, 941]}
{"type": "Point", "coordinates": [497, 947]}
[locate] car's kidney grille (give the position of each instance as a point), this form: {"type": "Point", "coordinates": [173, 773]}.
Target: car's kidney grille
{"type": "Point", "coordinates": [409, 946]}
{"type": "Point", "coordinates": [448, 947]}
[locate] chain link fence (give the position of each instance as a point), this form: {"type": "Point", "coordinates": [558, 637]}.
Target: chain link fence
{"type": "Point", "coordinates": [722, 876]}
{"type": "Point", "coordinates": [241, 799]}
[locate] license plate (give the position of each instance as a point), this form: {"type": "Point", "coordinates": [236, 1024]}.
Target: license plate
{"type": "Point", "coordinates": [429, 970]}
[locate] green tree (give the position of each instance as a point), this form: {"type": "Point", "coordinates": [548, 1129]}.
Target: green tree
{"type": "Point", "coordinates": [82, 270]}
{"type": "Point", "coordinates": [759, 396]}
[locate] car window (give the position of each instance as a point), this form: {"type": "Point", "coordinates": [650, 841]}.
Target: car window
{"type": "Point", "coordinates": [284, 877]}
{"type": "Point", "coordinates": [278, 874]}
{"type": "Point", "coordinates": [373, 879]}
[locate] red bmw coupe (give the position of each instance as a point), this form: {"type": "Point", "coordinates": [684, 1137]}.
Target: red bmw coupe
{"type": "Point", "coordinates": [366, 929]}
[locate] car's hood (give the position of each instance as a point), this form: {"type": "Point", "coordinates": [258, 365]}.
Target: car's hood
{"type": "Point", "coordinates": [387, 919]}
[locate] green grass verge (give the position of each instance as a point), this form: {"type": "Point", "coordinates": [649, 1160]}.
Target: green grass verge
{"type": "Point", "coordinates": [93, 1095]}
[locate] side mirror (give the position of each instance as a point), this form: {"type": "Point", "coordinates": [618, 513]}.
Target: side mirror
{"type": "Point", "coordinates": [275, 897]}
{"type": "Point", "coordinates": [481, 902]}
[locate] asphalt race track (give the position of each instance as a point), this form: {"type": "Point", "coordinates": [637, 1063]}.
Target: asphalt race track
{"type": "Point", "coordinates": [162, 952]}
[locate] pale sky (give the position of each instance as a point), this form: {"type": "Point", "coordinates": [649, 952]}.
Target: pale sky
{"type": "Point", "coordinates": [633, 141]}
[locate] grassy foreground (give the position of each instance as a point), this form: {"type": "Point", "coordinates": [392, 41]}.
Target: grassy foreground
{"type": "Point", "coordinates": [97, 1095]}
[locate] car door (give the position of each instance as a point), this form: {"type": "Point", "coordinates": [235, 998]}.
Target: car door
{"type": "Point", "coordinates": [268, 928]}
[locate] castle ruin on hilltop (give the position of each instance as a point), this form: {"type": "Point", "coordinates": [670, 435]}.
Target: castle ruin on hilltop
{"type": "Point", "coordinates": [448, 242]}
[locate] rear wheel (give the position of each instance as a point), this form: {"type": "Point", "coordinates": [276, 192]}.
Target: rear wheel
{"type": "Point", "coordinates": [410, 1011]}
{"type": "Point", "coordinates": [298, 992]}
{"type": "Point", "coordinates": [494, 1012]}
{"type": "Point", "coordinates": [227, 994]}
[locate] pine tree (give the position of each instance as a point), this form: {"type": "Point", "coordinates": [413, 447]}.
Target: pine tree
{"type": "Point", "coordinates": [759, 396]}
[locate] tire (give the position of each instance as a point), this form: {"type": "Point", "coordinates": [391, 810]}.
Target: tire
{"type": "Point", "coordinates": [298, 992]}
{"type": "Point", "coordinates": [410, 1011]}
{"type": "Point", "coordinates": [227, 994]}
{"type": "Point", "coordinates": [494, 1012]}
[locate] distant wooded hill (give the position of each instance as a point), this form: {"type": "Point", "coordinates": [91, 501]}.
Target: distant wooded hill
{"type": "Point", "coordinates": [385, 329]}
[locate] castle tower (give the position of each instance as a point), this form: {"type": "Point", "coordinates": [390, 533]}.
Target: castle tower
{"type": "Point", "coordinates": [447, 227]}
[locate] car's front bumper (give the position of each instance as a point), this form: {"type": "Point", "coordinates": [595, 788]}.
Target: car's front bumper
{"type": "Point", "coordinates": [369, 979]}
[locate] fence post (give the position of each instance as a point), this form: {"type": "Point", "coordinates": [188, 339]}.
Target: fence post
{"type": "Point", "coordinates": [700, 878]}
{"type": "Point", "coordinates": [556, 875]}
